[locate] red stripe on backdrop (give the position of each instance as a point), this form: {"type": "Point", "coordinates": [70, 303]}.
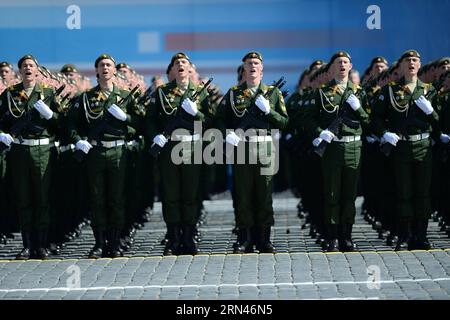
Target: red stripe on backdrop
{"type": "Point", "coordinates": [320, 38]}
{"type": "Point", "coordinates": [212, 70]}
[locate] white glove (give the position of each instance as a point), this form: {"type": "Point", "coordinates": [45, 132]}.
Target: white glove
{"type": "Point", "coordinates": [370, 139]}
{"type": "Point", "coordinates": [189, 106]}
{"type": "Point", "coordinates": [327, 135]}
{"type": "Point", "coordinates": [391, 138]}
{"type": "Point", "coordinates": [43, 109]}
{"type": "Point", "coordinates": [263, 104]}
{"type": "Point", "coordinates": [83, 145]}
{"type": "Point", "coordinates": [445, 138]}
{"type": "Point", "coordinates": [232, 138]}
{"type": "Point", "coordinates": [353, 101]}
{"type": "Point", "coordinates": [317, 141]}
{"type": "Point", "coordinates": [160, 140]}
{"type": "Point", "coordinates": [117, 112]}
{"type": "Point", "coordinates": [288, 137]}
{"type": "Point", "coordinates": [424, 105]}
{"type": "Point", "coordinates": [6, 138]}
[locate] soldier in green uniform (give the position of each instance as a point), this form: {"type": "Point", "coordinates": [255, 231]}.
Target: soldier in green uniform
{"type": "Point", "coordinates": [7, 73]}
{"type": "Point", "coordinates": [98, 126]}
{"type": "Point", "coordinates": [7, 76]}
{"type": "Point", "coordinates": [403, 117]}
{"type": "Point", "coordinates": [252, 186]}
{"type": "Point", "coordinates": [443, 105]}
{"type": "Point", "coordinates": [308, 182]}
{"type": "Point", "coordinates": [372, 165]}
{"type": "Point", "coordinates": [341, 159]}
{"type": "Point", "coordinates": [30, 121]}
{"type": "Point", "coordinates": [171, 103]}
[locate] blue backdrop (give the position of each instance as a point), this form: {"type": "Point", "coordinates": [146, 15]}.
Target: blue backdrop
{"type": "Point", "coordinates": [216, 34]}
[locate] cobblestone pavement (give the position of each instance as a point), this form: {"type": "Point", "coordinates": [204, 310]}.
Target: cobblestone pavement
{"type": "Point", "coordinates": [299, 269]}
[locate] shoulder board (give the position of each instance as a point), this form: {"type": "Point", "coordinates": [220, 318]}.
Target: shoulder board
{"type": "Point", "coordinates": [323, 85]}
{"type": "Point", "coordinates": [392, 83]}
{"type": "Point", "coordinates": [46, 86]}
{"type": "Point", "coordinates": [234, 88]}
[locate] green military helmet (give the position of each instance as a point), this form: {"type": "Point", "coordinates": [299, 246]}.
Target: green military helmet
{"type": "Point", "coordinates": [25, 57]}
{"type": "Point", "coordinates": [378, 59]}
{"type": "Point", "coordinates": [252, 55]}
{"type": "Point", "coordinates": [316, 63]}
{"type": "Point", "coordinates": [443, 61]}
{"type": "Point", "coordinates": [123, 65]}
{"type": "Point", "coordinates": [67, 68]}
{"type": "Point", "coordinates": [6, 64]}
{"type": "Point", "coordinates": [102, 57]}
{"type": "Point", "coordinates": [409, 54]}
{"type": "Point", "coordinates": [179, 55]}
{"type": "Point", "coordinates": [340, 54]}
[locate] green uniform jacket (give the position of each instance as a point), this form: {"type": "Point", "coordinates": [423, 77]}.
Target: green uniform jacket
{"type": "Point", "coordinates": [164, 102]}
{"type": "Point", "coordinates": [391, 108]}
{"type": "Point", "coordinates": [239, 98]}
{"type": "Point", "coordinates": [93, 103]}
{"type": "Point", "coordinates": [325, 105]}
{"type": "Point", "coordinates": [14, 105]}
{"type": "Point", "coordinates": [443, 107]}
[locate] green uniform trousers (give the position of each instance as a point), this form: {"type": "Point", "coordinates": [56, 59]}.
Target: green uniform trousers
{"type": "Point", "coordinates": [180, 185]}
{"type": "Point", "coordinates": [252, 189]}
{"type": "Point", "coordinates": [340, 167]}
{"type": "Point", "coordinates": [106, 168]}
{"type": "Point", "coordinates": [412, 164]}
{"type": "Point", "coordinates": [31, 176]}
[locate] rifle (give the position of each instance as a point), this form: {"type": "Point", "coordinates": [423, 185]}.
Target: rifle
{"type": "Point", "coordinates": [254, 117]}
{"type": "Point", "coordinates": [409, 121]}
{"type": "Point", "coordinates": [26, 121]}
{"type": "Point", "coordinates": [336, 125]}
{"type": "Point", "coordinates": [98, 132]}
{"type": "Point", "coordinates": [181, 120]}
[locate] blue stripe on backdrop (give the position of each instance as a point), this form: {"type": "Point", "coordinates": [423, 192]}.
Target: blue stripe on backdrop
{"type": "Point", "coordinates": [289, 33]}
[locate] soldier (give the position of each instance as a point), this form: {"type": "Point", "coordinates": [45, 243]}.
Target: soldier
{"type": "Point", "coordinates": [373, 166]}
{"type": "Point", "coordinates": [67, 215]}
{"type": "Point", "coordinates": [253, 189]}
{"type": "Point", "coordinates": [7, 73]}
{"type": "Point", "coordinates": [180, 182]}
{"type": "Point", "coordinates": [98, 126]}
{"type": "Point", "coordinates": [403, 117]}
{"type": "Point", "coordinates": [28, 128]}
{"type": "Point", "coordinates": [309, 183]}
{"type": "Point", "coordinates": [443, 105]}
{"type": "Point", "coordinates": [354, 77]}
{"type": "Point", "coordinates": [341, 159]}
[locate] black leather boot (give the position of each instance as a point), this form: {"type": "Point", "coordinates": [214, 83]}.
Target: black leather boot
{"type": "Point", "coordinates": [404, 236]}
{"type": "Point", "coordinates": [173, 244]}
{"type": "Point", "coordinates": [422, 242]}
{"type": "Point", "coordinates": [264, 245]}
{"type": "Point", "coordinates": [188, 243]}
{"type": "Point", "coordinates": [97, 250]}
{"type": "Point", "coordinates": [246, 246]}
{"type": "Point", "coordinates": [333, 242]}
{"type": "Point", "coordinates": [114, 245]}
{"type": "Point", "coordinates": [25, 254]}
{"type": "Point", "coordinates": [347, 244]}
{"type": "Point", "coordinates": [41, 245]}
